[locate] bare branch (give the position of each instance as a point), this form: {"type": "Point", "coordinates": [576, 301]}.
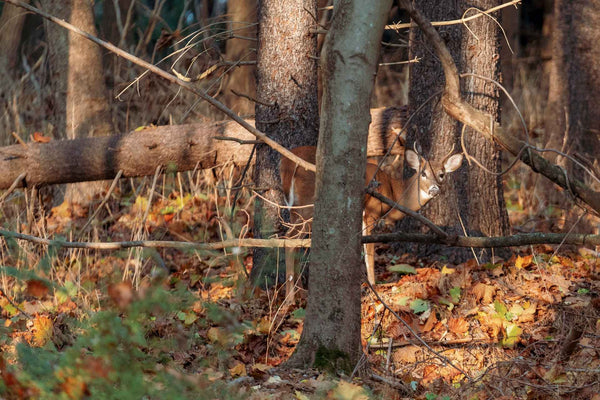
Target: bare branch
{"type": "Point", "coordinates": [456, 21]}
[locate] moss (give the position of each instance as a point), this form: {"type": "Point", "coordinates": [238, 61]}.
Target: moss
{"type": "Point", "coordinates": [332, 360]}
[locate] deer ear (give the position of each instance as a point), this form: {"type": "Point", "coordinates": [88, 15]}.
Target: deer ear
{"type": "Point", "coordinates": [412, 159]}
{"type": "Point", "coordinates": [453, 163]}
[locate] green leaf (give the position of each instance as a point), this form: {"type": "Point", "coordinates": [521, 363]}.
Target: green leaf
{"type": "Point", "coordinates": [455, 294]}
{"type": "Point", "coordinates": [500, 308]}
{"type": "Point", "coordinates": [402, 269]}
{"type": "Point", "coordinates": [299, 313]}
{"type": "Point", "coordinates": [513, 333]}
{"type": "Point", "coordinates": [419, 306]}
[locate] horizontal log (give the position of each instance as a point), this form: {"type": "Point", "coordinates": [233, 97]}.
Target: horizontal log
{"type": "Point", "coordinates": [139, 153]}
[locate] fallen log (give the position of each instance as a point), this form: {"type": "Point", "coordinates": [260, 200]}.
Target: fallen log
{"type": "Point", "coordinates": [138, 153]}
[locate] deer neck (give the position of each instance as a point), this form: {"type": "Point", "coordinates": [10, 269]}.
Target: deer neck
{"type": "Point", "coordinates": [409, 193]}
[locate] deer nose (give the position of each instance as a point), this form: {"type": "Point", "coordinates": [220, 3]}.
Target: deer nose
{"type": "Point", "coordinates": [434, 190]}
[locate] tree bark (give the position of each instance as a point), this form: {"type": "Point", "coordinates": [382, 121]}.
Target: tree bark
{"type": "Point", "coordinates": [182, 147]}
{"type": "Point", "coordinates": [434, 130]}
{"type": "Point", "coordinates": [573, 112]}
{"type": "Point", "coordinates": [482, 197]}
{"type": "Point", "coordinates": [80, 104]}
{"type": "Point", "coordinates": [331, 335]}
{"type": "Point", "coordinates": [287, 110]}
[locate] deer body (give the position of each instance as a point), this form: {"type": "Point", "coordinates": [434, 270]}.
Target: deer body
{"type": "Point", "coordinates": [413, 193]}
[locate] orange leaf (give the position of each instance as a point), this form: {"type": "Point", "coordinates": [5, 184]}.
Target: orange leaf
{"type": "Point", "coordinates": [431, 321]}
{"type": "Point", "coordinates": [36, 288]}
{"type": "Point", "coordinates": [458, 326]}
{"type": "Point", "coordinates": [38, 137]}
{"type": "Point", "coordinates": [42, 330]}
{"type": "Point", "coordinates": [484, 292]}
{"type": "Point", "coordinates": [523, 262]}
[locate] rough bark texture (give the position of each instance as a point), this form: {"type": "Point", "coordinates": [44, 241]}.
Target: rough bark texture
{"type": "Point", "coordinates": [573, 111]}
{"type": "Point", "coordinates": [331, 335]}
{"type": "Point", "coordinates": [183, 147]}
{"type": "Point", "coordinates": [432, 128]}
{"type": "Point", "coordinates": [80, 104]}
{"type": "Point", "coordinates": [472, 192]}
{"type": "Point", "coordinates": [287, 110]}
{"type": "Point", "coordinates": [482, 198]}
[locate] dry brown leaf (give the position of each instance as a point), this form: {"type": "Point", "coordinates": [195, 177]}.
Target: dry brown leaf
{"type": "Point", "coordinates": [431, 321]}
{"type": "Point", "coordinates": [458, 326]}
{"type": "Point", "coordinates": [483, 292]}
{"type": "Point", "coordinates": [406, 354]}
{"type": "Point", "coordinates": [239, 369]}
{"type": "Point", "coordinates": [430, 374]}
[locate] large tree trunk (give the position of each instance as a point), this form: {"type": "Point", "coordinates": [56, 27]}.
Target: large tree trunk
{"type": "Point", "coordinates": [482, 196]}
{"type": "Point", "coordinates": [80, 104]}
{"type": "Point", "coordinates": [287, 110]}
{"type": "Point", "coordinates": [331, 335]}
{"type": "Point", "coordinates": [472, 193]}
{"type": "Point", "coordinates": [573, 111]}
{"type": "Point", "coordinates": [434, 130]}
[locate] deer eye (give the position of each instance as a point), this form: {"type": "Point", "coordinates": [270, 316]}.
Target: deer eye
{"type": "Point", "coordinates": [423, 174]}
{"type": "Point", "coordinates": [441, 175]}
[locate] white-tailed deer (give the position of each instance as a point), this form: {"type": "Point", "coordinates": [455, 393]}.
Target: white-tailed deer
{"type": "Point", "coordinates": [413, 193]}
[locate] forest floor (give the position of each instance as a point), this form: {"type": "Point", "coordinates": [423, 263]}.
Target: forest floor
{"type": "Point", "coordinates": [166, 323]}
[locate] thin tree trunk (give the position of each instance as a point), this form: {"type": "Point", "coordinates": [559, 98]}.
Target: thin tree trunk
{"type": "Point", "coordinates": [287, 109]}
{"type": "Point", "coordinates": [11, 26]}
{"type": "Point", "coordinates": [331, 335]}
{"type": "Point", "coordinates": [242, 17]}
{"type": "Point", "coordinates": [80, 104]}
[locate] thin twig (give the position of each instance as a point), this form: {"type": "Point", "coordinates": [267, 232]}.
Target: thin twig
{"type": "Point", "coordinates": [454, 21]}
{"type": "Point", "coordinates": [240, 141]}
{"type": "Point", "coordinates": [106, 197]}
{"type": "Point", "coordinates": [12, 187]}
{"type": "Point", "coordinates": [12, 303]}
{"type": "Point", "coordinates": [407, 211]}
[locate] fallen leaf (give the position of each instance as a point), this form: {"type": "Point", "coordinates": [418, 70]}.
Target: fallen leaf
{"type": "Point", "coordinates": [483, 292]}
{"type": "Point", "coordinates": [239, 369]}
{"type": "Point", "coordinates": [42, 330]}
{"type": "Point", "coordinates": [458, 326]}
{"type": "Point", "coordinates": [36, 288]}
{"type": "Point", "coordinates": [431, 321]}
{"type": "Point", "coordinates": [38, 137]}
